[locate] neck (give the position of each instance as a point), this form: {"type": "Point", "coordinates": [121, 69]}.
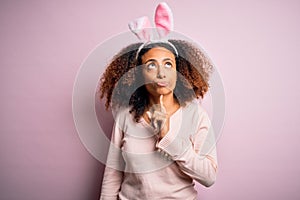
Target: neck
{"type": "Point", "coordinates": [170, 103]}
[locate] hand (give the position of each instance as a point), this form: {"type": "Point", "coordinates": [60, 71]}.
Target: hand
{"type": "Point", "coordinates": [159, 118]}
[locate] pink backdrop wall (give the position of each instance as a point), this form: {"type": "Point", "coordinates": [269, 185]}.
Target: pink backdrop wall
{"type": "Point", "coordinates": [254, 44]}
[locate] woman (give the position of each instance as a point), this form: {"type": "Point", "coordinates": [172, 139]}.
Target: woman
{"type": "Point", "coordinates": [162, 140]}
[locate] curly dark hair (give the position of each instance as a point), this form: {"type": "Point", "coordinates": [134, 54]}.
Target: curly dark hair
{"type": "Point", "coordinates": [122, 81]}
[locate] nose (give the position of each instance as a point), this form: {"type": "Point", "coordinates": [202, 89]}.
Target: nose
{"type": "Point", "coordinates": [161, 72]}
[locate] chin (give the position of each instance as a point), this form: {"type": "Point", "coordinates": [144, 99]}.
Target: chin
{"type": "Point", "coordinates": [157, 91]}
{"type": "Point", "coordinates": [163, 91]}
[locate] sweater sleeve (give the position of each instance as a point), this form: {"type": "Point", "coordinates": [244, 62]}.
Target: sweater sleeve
{"type": "Point", "coordinates": [194, 153]}
{"type": "Point", "coordinates": [113, 174]}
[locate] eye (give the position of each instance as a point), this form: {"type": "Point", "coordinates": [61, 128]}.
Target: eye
{"type": "Point", "coordinates": [151, 66]}
{"type": "Point", "coordinates": [168, 65]}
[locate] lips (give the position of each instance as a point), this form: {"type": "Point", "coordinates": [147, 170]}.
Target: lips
{"type": "Point", "coordinates": [162, 84]}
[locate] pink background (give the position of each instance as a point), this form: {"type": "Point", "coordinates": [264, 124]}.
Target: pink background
{"type": "Point", "coordinates": [254, 44]}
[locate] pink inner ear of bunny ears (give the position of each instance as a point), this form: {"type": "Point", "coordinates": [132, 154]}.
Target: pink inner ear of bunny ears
{"type": "Point", "coordinates": [163, 19]}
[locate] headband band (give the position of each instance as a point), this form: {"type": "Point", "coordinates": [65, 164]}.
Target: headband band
{"type": "Point", "coordinates": [153, 42]}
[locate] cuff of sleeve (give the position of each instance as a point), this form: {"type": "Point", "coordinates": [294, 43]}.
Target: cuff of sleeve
{"type": "Point", "coordinates": [175, 148]}
{"type": "Point", "coordinates": [173, 144]}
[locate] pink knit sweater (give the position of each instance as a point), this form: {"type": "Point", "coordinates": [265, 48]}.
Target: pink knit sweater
{"type": "Point", "coordinates": [139, 166]}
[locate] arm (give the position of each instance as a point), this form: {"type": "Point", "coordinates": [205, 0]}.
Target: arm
{"type": "Point", "coordinates": [195, 155]}
{"type": "Point", "coordinates": [113, 174]}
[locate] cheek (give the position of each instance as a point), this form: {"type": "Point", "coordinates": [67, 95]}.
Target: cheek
{"type": "Point", "coordinates": [173, 78]}
{"type": "Point", "coordinates": [148, 77]}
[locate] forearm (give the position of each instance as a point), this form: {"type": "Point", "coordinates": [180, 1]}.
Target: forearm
{"type": "Point", "coordinates": [201, 168]}
{"type": "Point", "coordinates": [111, 184]}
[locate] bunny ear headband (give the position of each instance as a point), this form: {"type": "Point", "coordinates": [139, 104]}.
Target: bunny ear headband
{"type": "Point", "coordinates": [163, 19]}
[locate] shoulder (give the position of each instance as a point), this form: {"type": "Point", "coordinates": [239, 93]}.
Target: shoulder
{"type": "Point", "coordinates": [121, 115]}
{"type": "Point", "coordinates": [195, 115]}
{"type": "Point", "coordinates": [194, 109]}
{"type": "Point", "coordinates": [121, 112]}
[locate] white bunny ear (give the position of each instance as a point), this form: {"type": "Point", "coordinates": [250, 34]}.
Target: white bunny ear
{"type": "Point", "coordinates": [163, 19]}
{"type": "Point", "coordinates": [141, 28]}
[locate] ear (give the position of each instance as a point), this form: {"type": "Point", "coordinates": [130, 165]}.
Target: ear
{"type": "Point", "coordinates": [141, 28]}
{"type": "Point", "coordinates": [163, 19]}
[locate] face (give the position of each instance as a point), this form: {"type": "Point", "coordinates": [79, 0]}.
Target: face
{"type": "Point", "coordinates": [159, 71]}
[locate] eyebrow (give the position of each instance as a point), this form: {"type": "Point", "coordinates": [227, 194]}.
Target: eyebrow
{"type": "Point", "coordinates": [165, 59]}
